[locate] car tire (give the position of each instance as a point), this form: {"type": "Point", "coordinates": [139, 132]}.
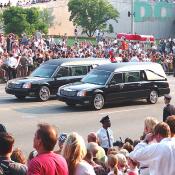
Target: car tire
{"type": "Point", "coordinates": [44, 93]}
{"type": "Point", "coordinates": [98, 102]}
{"type": "Point", "coordinates": [153, 97]}
{"type": "Point", "coordinates": [20, 97]}
{"type": "Point", "coordinates": [70, 104]}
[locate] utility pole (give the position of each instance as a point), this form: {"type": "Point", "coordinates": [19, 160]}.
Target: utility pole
{"type": "Point", "coordinates": [132, 17]}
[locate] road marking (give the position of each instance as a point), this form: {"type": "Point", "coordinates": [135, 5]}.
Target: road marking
{"type": "Point", "coordinates": [128, 110]}
{"type": "Point", "coordinates": [29, 116]}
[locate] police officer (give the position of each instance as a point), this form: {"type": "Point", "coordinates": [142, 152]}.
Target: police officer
{"type": "Point", "coordinates": [105, 135]}
{"type": "Point", "coordinates": [174, 65]}
{"type": "Point", "coordinates": [169, 109]}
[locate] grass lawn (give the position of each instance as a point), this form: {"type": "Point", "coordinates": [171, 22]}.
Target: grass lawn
{"type": "Point", "coordinates": [71, 40]}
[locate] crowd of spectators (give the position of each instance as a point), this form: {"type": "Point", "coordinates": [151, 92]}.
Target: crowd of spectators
{"type": "Point", "coordinates": [19, 56]}
{"type": "Point", "coordinates": [71, 154]}
{"type": "Point", "coordinates": [5, 5]}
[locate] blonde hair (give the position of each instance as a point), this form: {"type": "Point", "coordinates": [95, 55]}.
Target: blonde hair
{"type": "Point", "coordinates": [112, 162]}
{"type": "Point", "coordinates": [149, 124]}
{"type": "Point", "coordinates": [74, 150]}
{"type": "Point", "coordinates": [122, 161]}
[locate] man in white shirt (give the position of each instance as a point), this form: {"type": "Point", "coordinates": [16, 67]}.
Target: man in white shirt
{"type": "Point", "coordinates": [105, 135]}
{"type": "Point", "coordinates": [159, 157]}
{"type": "Point", "coordinates": [12, 64]}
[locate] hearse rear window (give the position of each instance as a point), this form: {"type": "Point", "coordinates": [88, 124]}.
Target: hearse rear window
{"type": "Point", "coordinates": [153, 76]}
{"type": "Point", "coordinates": [79, 70]}
{"type": "Point", "coordinates": [132, 77]}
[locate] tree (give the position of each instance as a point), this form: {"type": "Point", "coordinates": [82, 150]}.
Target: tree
{"type": "Point", "coordinates": [91, 14]}
{"type": "Point", "coordinates": [111, 29]}
{"type": "Point", "coordinates": [18, 20]}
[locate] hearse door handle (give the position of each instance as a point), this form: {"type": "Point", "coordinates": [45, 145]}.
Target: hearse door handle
{"type": "Point", "coordinates": [121, 86]}
{"type": "Point", "coordinates": [140, 84]}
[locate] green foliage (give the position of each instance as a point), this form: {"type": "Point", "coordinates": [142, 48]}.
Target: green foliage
{"type": "Point", "coordinates": [111, 29]}
{"type": "Point", "coordinates": [91, 14]}
{"type": "Point", "coordinates": [18, 20]}
{"type": "Point", "coordinates": [1, 20]}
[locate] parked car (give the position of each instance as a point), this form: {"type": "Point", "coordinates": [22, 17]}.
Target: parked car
{"type": "Point", "coordinates": [49, 76]}
{"type": "Point", "coordinates": [117, 81]}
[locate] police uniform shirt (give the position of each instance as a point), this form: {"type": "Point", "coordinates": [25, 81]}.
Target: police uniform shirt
{"type": "Point", "coordinates": [12, 62]}
{"type": "Point", "coordinates": [103, 138]}
{"type": "Point", "coordinates": [168, 111]}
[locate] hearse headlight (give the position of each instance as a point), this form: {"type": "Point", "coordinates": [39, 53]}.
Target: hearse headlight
{"type": "Point", "coordinates": [82, 93]}
{"type": "Point", "coordinates": [7, 83]}
{"type": "Point", "coordinates": [27, 85]}
{"type": "Point", "coordinates": [58, 93]}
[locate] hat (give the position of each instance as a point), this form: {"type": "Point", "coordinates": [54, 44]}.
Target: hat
{"type": "Point", "coordinates": [2, 128]}
{"type": "Point", "coordinates": [167, 96]}
{"type": "Point", "coordinates": [105, 119]}
{"type": "Point", "coordinates": [62, 138]}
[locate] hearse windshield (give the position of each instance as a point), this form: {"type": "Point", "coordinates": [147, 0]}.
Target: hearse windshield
{"type": "Point", "coordinates": [96, 77]}
{"type": "Point", "coordinates": [44, 71]}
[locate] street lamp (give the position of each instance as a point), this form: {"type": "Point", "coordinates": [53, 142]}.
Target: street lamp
{"type": "Point", "coordinates": [132, 15]}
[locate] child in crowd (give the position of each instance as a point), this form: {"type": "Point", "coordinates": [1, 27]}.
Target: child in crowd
{"type": "Point", "coordinates": [18, 156]}
{"type": "Point", "coordinates": [112, 163]}
{"type": "Point", "coordinates": [133, 170]}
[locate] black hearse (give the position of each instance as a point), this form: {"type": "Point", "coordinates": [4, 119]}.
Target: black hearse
{"type": "Point", "coordinates": [45, 80]}
{"type": "Point", "coordinates": [117, 81]}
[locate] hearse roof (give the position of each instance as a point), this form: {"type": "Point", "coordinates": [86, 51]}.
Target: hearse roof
{"type": "Point", "coordinates": [133, 66]}
{"type": "Point", "coordinates": [76, 61]}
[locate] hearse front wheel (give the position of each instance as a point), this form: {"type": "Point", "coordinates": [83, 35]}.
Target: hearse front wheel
{"type": "Point", "coordinates": [44, 93]}
{"type": "Point", "coordinates": [98, 102]}
{"type": "Point", "coordinates": [153, 97]}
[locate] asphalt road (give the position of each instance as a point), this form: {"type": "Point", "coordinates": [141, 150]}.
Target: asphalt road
{"type": "Point", "coordinates": [21, 117]}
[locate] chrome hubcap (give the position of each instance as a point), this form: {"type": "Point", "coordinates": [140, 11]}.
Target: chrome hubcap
{"type": "Point", "coordinates": [98, 101]}
{"type": "Point", "coordinates": [44, 93]}
{"type": "Point", "coordinates": [153, 97]}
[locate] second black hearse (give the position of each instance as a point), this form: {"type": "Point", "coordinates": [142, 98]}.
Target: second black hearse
{"type": "Point", "coordinates": [117, 81]}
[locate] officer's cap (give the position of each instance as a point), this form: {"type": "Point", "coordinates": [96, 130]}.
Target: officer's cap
{"type": "Point", "coordinates": [105, 119]}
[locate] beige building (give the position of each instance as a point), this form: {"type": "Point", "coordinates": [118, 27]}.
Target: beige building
{"type": "Point", "coordinates": [61, 15]}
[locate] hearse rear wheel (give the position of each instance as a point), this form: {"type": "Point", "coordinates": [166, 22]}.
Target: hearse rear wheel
{"type": "Point", "coordinates": [98, 102]}
{"type": "Point", "coordinates": [153, 97]}
{"type": "Point", "coordinates": [44, 93]}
